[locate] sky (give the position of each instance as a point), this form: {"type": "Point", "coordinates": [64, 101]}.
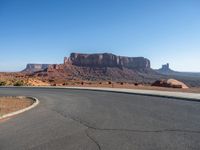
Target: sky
{"type": "Point", "coordinates": [44, 31]}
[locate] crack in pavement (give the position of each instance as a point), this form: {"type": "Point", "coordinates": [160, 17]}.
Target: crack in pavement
{"type": "Point", "coordinates": [86, 133]}
{"type": "Point", "coordinates": [85, 124]}
{"type": "Point", "coordinates": [92, 139]}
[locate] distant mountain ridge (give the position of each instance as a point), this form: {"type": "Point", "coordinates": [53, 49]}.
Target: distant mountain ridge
{"type": "Point", "coordinates": [103, 66]}
{"type": "Point", "coordinates": [107, 67]}
{"type": "Point", "coordinates": [165, 70]}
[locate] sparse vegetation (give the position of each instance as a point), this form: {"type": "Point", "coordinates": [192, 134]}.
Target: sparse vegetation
{"type": "Point", "coordinates": [136, 84]}
{"type": "Point", "coordinates": [53, 84]}
{"type": "Point", "coordinates": [19, 83]}
{"type": "Point", "coordinates": [51, 80]}
{"type": "Point", "coordinates": [65, 83]}
{"type": "Point", "coordinates": [3, 83]}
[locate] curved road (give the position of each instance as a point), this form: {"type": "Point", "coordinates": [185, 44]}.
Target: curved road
{"type": "Point", "coordinates": [95, 120]}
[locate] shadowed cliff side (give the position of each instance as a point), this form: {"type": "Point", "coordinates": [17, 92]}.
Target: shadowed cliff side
{"type": "Point", "coordinates": [31, 68]}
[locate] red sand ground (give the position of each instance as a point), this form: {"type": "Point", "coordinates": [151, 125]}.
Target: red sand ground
{"type": "Point", "coordinates": [12, 104]}
{"type": "Point", "coordinates": [132, 86]}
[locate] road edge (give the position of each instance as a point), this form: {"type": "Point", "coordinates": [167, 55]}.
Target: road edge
{"type": "Point", "coordinates": [165, 94]}
{"type": "Point", "coordinates": [35, 103]}
{"type": "Point", "coordinates": [156, 93]}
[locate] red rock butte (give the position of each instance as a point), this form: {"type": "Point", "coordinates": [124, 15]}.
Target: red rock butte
{"type": "Point", "coordinates": [107, 60]}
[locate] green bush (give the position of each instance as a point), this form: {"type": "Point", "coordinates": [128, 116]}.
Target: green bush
{"type": "Point", "coordinates": [2, 83]}
{"type": "Point", "coordinates": [19, 83]}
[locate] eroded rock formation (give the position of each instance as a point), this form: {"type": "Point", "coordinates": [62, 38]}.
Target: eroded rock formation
{"type": "Point", "coordinates": [171, 83]}
{"type": "Point", "coordinates": [107, 60]}
{"type": "Point", "coordinates": [30, 68]}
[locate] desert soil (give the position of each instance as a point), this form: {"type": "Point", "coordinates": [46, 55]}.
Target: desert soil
{"type": "Point", "coordinates": [132, 86]}
{"type": "Point", "coordinates": [12, 104]}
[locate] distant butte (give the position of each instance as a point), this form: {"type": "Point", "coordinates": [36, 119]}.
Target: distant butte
{"type": "Point", "coordinates": [31, 68]}
{"type": "Point", "coordinates": [98, 67]}
{"type": "Point", "coordinates": [106, 67]}
{"type": "Point", "coordinates": [107, 60]}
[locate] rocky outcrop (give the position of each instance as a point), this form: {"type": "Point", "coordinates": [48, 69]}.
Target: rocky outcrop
{"type": "Point", "coordinates": [107, 60]}
{"type": "Point", "coordinates": [172, 83]}
{"type": "Point", "coordinates": [165, 70]}
{"type": "Point", "coordinates": [30, 68]}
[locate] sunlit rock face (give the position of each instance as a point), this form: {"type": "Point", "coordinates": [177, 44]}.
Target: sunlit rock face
{"type": "Point", "coordinates": [107, 60]}
{"type": "Point", "coordinates": [171, 83]}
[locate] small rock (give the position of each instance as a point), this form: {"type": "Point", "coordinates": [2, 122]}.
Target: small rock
{"type": "Point", "coordinates": [171, 83]}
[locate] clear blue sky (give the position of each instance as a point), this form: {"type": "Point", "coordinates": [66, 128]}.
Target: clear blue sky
{"type": "Point", "coordinates": [44, 31]}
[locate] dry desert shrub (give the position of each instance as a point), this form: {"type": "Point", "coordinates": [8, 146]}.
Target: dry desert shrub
{"type": "Point", "coordinates": [19, 83]}
{"type": "Point", "coordinates": [109, 82]}
{"type": "Point", "coordinates": [3, 83]}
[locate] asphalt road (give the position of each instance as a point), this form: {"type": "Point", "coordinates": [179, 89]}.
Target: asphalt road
{"type": "Point", "coordinates": [90, 120]}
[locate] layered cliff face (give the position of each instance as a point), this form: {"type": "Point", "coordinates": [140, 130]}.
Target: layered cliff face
{"type": "Point", "coordinates": [30, 68]}
{"type": "Point", "coordinates": [102, 67]}
{"type": "Point", "coordinates": [98, 67]}
{"type": "Point", "coordinates": [107, 60]}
